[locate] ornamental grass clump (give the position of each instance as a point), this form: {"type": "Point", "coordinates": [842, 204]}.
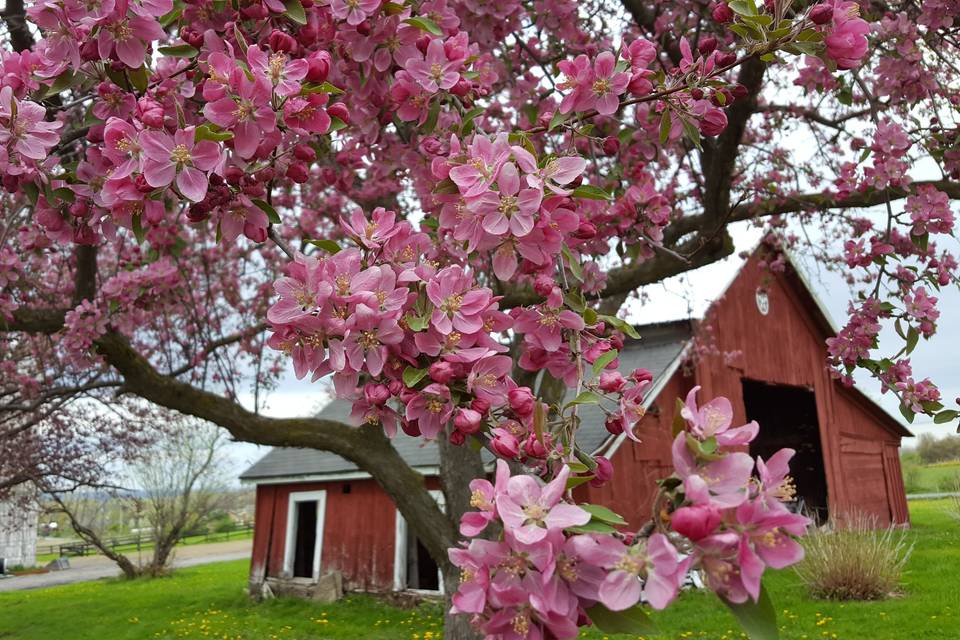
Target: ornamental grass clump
{"type": "Point", "coordinates": [854, 559]}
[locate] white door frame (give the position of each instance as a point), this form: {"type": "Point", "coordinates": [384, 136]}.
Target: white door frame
{"type": "Point", "coordinates": [400, 550]}
{"type": "Point", "coordinates": [320, 497]}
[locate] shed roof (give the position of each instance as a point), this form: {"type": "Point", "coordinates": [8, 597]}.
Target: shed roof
{"type": "Point", "coordinates": [660, 345]}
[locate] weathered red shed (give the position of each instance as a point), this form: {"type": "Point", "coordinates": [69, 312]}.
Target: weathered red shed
{"type": "Point", "coordinates": [761, 345]}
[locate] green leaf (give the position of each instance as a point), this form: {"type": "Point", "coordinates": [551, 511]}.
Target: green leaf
{"type": "Point", "coordinates": [168, 19]}
{"type": "Point", "coordinates": [329, 246]}
{"type": "Point", "coordinates": [431, 122]}
{"type": "Point", "coordinates": [907, 412]}
{"type": "Point", "coordinates": [679, 424]}
{"type": "Point", "coordinates": [621, 325]}
{"type": "Point", "coordinates": [592, 527]}
{"type": "Point", "coordinates": [557, 120]}
{"type": "Point", "coordinates": [467, 124]}
{"type": "Point", "coordinates": [425, 24]}
{"type": "Point", "coordinates": [137, 225]}
{"type": "Point", "coordinates": [743, 7]}
{"type": "Point", "coordinates": [634, 621]}
{"type": "Point", "coordinates": [412, 375]}
{"type": "Point", "coordinates": [446, 186]}
{"type": "Point", "coordinates": [178, 51]}
{"type": "Point", "coordinates": [209, 131]}
{"type": "Point", "coordinates": [576, 481]}
{"type": "Point", "coordinates": [666, 124]}
{"type": "Point", "coordinates": [601, 513]}
{"type": "Point", "coordinates": [64, 81]}
{"type": "Point", "coordinates": [758, 619]}
{"type": "Point", "coordinates": [272, 214]}
{"type": "Point", "coordinates": [336, 124]}
{"type": "Point", "coordinates": [589, 317]}
{"type": "Point", "coordinates": [294, 11]}
{"type": "Point", "coordinates": [913, 337]}
{"type": "Point", "coordinates": [585, 397]}
{"type": "Point", "coordinates": [392, 8]}
{"type": "Point", "coordinates": [600, 363]}
{"type": "Point", "coordinates": [139, 78]}
{"type": "Point", "coordinates": [572, 263]}
{"type": "Point", "coordinates": [693, 133]}
{"type": "Point", "coordinates": [31, 191]}
{"type": "Point", "coordinates": [592, 192]}
{"type": "Point", "coordinates": [417, 323]}
{"type": "Point", "coordinates": [946, 416]}
{"type": "Point", "coordinates": [322, 87]}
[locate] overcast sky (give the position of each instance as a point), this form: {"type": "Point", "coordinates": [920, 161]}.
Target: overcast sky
{"type": "Point", "coordinates": [688, 296]}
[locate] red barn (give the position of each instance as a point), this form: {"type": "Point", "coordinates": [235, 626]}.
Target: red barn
{"type": "Point", "coordinates": [761, 345]}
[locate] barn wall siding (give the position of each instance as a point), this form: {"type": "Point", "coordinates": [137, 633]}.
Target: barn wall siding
{"type": "Point", "coordinates": [358, 536]}
{"type": "Point", "coordinates": [786, 346]}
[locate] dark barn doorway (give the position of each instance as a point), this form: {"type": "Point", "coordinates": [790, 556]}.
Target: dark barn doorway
{"type": "Point", "coordinates": [306, 540]}
{"type": "Point", "coordinates": [422, 571]}
{"type": "Point", "coordinates": [788, 418]}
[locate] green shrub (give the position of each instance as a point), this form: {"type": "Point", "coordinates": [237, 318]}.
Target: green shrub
{"type": "Point", "coordinates": [854, 559]}
{"type": "Point", "coordinates": [912, 481]}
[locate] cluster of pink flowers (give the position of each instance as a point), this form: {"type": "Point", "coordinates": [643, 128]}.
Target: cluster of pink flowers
{"type": "Point", "coordinates": [846, 38]}
{"type": "Point", "coordinates": [546, 569]}
{"type": "Point", "coordinates": [25, 135]}
{"type": "Point", "coordinates": [506, 203]}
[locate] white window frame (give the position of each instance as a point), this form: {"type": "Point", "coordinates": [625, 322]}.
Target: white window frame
{"type": "Point", "coordinates": [400, 551]}
{"type": "Point", "coordinates": [289, 554]}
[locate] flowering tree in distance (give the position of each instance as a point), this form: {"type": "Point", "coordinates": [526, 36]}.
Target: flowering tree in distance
{"type": "Point", "coordinates": [443, 205]}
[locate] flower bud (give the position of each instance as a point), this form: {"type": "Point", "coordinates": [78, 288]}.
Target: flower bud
{"type": "Point", "coordinates": [339, 110]}
{"type": "Point", "coordinates": [480, 405]}
{"type": "Point", "coordinates": [586, 231]}
{"type": "Point", "coordinates": [614, 424]}
{"type": "Point", "coordinates": [504, 444]}
{"type": "Point", "coordinates": [612, 381]}
{"type": "Point", "coordinates": [722, 13]}
{"type": "Point", "coordinates": [318, 67]}
{"type": "Point", "coordinates": [462, 87]}
{"type": "Point", "coordinates": [603, 473]}
{"type": "Point", "coordinates": [254, 232]}
{"type": "Point", "coordinates": [707, 45]}
{"type": "Point", "coordinates": [713, 123]}
{"type": "Point", "coordinates": [534, 448]}
{"type": "Point", "coordinates": [641, 375]}
{"type": "Point", "coordinates": [442, 372]}
{"type": "Point", "coordinates": [695, 522]}
{"type": "Point", "coordinates": [305, 153]}
{"type": "Point", "coordinates": [521, 401]}
{"type": "Point", "coordinates": [395, 387]}
{"type": "Point", "coordinates": [726, 59]}
{"type": "Point", "coordinates": [821, 14]}
{"type": "Point", "coordinates": [467, 420]}
{"type": "Point", "coordinates": [410, 427]}
{"type": "Point", "coordinates": [297, 171]}
{"type": "Point", "coordinates": [376, 394]}
{"type": "Point", "coordinates": [611, 145]}
{"type": "Point", "coordinates": [280, 41]}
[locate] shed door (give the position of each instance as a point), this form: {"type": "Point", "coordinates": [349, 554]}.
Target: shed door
{"type": "Point", "coordinates": [896, 497]}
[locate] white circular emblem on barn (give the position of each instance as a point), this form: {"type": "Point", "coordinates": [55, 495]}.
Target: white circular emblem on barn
{"type": "Point", "coordinates": [763, 301]}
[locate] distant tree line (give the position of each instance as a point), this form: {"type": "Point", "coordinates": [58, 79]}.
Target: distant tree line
{"type": "Point", "coordinates": [931, 449]}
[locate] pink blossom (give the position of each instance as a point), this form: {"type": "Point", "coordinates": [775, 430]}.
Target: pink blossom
{"type": "Point", "coordinates": [128, 36]}
{"type": "Point", "coordinates": [247, 114]}
{"type": "Point", "coordinates": [483, 496]}
{"type": "Point", "coordinates": [721, 482]}
{"type": "Point", "coordinates": [529, 511]}
{"type": "Point", "coordinates": [23, 128]}
{"type": "Point", "coordinates": [847, 42]}
{"type": "Point", "coordinates": [713, 420]}
{"type": "Point", "coordinates": [179, 158]}
{"type": "Point", "coordinates": [372, 233]}
{"type": "Point", "coordinates": [457, 304]}
{"type": "Point", "coordinates": [277, 69]}
{"type": "Point", "coordinates": [436, 71]}
{"type": "Point", "coordinates": [307, 114]}
{"type": "Point", "coordinates": [511, 210]}
{"type": "Point", "coordinates": [431, 409]}
{"type": "Point", "coordinates": [353, 11]}
{"type": "Point", "coordinates": [488, 379]}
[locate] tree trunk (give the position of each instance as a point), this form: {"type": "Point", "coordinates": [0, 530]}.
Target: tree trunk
{"type": "Point", "coordinates": [458, 466]}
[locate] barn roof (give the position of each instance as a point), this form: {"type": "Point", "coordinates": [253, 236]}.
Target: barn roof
{"type": "Point", "coordinates": [659, 349]}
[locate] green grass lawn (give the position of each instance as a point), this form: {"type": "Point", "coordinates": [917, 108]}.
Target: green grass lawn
{"type": "Point", "coordinates": [208, 602]}
{"type": "Point", "coordinates": [942, 476]}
